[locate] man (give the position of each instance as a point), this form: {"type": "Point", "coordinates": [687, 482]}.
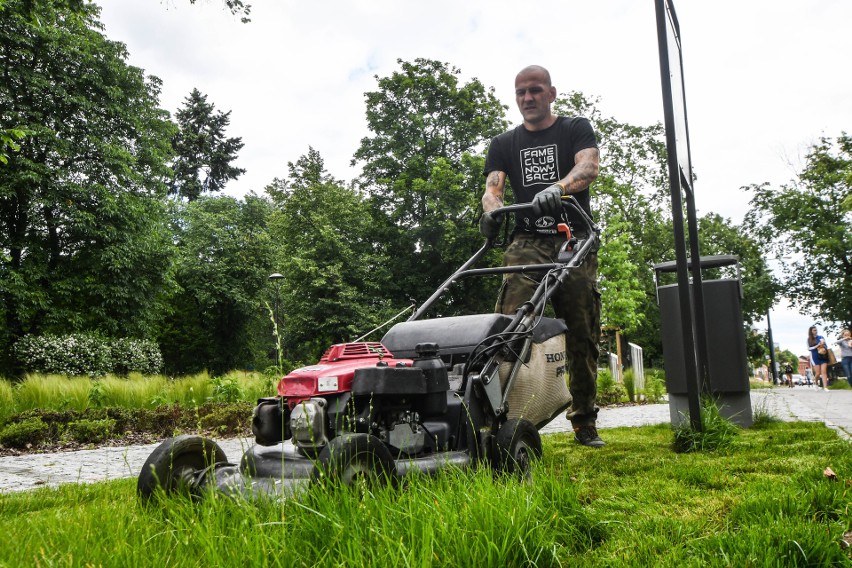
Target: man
{"type": "Point", "coordinates": [546, 157]}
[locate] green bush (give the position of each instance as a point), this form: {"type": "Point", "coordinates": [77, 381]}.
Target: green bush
{"type": "Point", "coordinates": [33, 431]}
{"type": "Point", "coordinates": [609, 391]}
{"type": "Point", "coordinates": [135, 355]}
{"type": "Point", "coordinates": [86, 355]}
{"type": "Point", "coordinates": [96, 425]}
{"type": "Point", "coordinates": [655, 386]}
{"type": "Point", "coordinates": [226, 389]}
{"type": "Point", "coordinates": [227, 420]}
{"type": "Point", "coordinates": [90, 431]}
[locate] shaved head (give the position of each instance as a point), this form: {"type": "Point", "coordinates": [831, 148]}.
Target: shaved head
{"type": "Point", "coordinates": [531, 70]}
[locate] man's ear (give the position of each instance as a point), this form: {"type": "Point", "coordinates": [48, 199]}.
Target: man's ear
{"type": "Point", "coordinates": [552, 94]}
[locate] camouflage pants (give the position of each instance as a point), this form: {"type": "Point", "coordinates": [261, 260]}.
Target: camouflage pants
{"type": "Point", "coordinates": [577, 302]}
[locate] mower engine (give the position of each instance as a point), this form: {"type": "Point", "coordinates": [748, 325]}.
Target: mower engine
{"type": "Point", "coordinates": [360, 388]}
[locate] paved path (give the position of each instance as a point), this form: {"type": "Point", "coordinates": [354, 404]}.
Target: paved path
{"type": "Point", "coordinates": [20, 473]}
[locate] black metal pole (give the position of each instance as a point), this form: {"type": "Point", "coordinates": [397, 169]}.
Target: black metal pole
{"type": "Point", "coordinates": [772, 364]}
{"type": "Point", "coordinates": [676, 182]}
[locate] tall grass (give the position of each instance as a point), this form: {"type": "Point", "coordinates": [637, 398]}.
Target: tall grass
{"type": "Point", "coordinates": [7, 400]}
{"type": "Point", "coordinates": [52, 392]}
{"type": "Point", "coordinates": [762, 502]}
{"type": "Point", "coordinates": [57, 392]}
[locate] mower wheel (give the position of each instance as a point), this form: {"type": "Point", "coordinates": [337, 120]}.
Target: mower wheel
{"type": "Point", "coordinates": [518, 445]}
{"type": "Point", "coordinates": [353, 459]}
{"type": "Point", "coordinates": [174, 465]}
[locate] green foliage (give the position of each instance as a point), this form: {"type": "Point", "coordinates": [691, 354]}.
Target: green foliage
{"type": "Point", "coordinates": [32, 432]}
{"type": "Point", "coordinates": [7, 400]}
{"type": "Point", "coordinates": [422, 167]}
{"type": "Point", "coordinates": [336, 277]}
{"type": "Point", "coordinates": [609, 391]}
{"type": "Point", "coordinates": [808, 225]}
{"type": "Point", "coordinates": [630, 385]}
{"type": "Point", "coordinates": [655, 385]}
{"type": "Point", "coordinates": [90, 431]}
{"type": "Point", "coordinates": [224, 260]}
{"type": "Point", "coordinates": [84, 239]}
{"type": "Point", "coordinates": [621, 292]}
{"type": "Point", "coordinates": [52, 392]}
{"type": "Point", "coordinates": [203, 154]}
{"type": "Point", "coordinates": [760, 289]}
{"type": "Point", "coordinates": [87, 355]}
{"type": "Point", "coordinates": [717, 432]}
{"type": "Point", "coordinates": [227, 420]}
{"type": "Point", "coordinates": [97, 425]}
{"type": "Point", "coordinates": [9, 138]}
{"type": "Point", "coordinates": [60, 393]}
{"type": "Point", "coordinates": [757, 347]}
{"type": "Point", "coordinates": [226, 389]}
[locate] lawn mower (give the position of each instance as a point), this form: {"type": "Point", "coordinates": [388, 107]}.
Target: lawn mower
{"type": "Point", "coordinates": [462, 391]}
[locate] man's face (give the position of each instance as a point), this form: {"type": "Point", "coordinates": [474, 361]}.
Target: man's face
{"type": "Point", "coordinates": [534, 96]}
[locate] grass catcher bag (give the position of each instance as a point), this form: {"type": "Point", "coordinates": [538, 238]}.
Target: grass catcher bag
{"type": "Point", "coordinates": [540, 391]}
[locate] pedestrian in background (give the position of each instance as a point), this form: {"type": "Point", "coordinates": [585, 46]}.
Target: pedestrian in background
{"type": "Point", "coordinates": [788, 370]}
{"type": "Point", "coordinates": [819, 362]}
{"type": "Point", "coordinates": [846, 354]}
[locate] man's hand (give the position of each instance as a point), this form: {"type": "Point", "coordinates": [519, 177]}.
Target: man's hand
{"type": "Point", "coordinates": [489, 225]}
{"type": "Point", "coordinates": [548, 201]}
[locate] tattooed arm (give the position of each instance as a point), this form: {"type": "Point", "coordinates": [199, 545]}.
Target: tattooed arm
{"type": "Point", "coordinates": [494, 185]}
{"type": "Point", "coordinates": [585, 171]}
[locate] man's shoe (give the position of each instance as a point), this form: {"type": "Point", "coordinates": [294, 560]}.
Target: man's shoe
{"type": "Point", "coordinates": [587, 435]}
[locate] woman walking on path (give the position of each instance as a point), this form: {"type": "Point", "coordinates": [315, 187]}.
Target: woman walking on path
{"type": "Point", "coordinates": [820, 366]}
{"type": "Point", "coordinates": [846, 354]}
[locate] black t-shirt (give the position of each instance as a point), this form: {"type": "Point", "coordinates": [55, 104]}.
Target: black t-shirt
{"type": "Point", "coordinates": [536, 160]}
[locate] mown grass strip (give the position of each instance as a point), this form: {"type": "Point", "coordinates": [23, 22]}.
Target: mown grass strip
{"type": "Point", "coordinates": [762, 501]}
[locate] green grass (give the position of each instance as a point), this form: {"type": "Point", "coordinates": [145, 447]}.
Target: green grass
{"type": "Point", "coordinates": [56, 392]}
{"type": "Point", "coordinates": [761, 501]}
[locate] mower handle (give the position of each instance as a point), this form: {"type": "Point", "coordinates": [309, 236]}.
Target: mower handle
{"type": "Point", "coordinates": [568, 201]}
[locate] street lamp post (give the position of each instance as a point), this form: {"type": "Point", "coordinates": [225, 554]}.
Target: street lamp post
{"type": "Point", "coordinates": [276, 279]}
{"type": "Point", "coordinates": [772, 368]}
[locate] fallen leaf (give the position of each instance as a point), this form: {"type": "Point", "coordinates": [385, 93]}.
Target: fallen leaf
{"type": "Point", "coordinates": [830, 474]}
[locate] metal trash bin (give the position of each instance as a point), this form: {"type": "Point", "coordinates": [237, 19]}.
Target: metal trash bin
{"type": "Point", "coordinates": [727, 360]}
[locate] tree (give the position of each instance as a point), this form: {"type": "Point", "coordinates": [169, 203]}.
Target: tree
{"type": "Point", "coordinates": [719, 236]}
{"type": "Point", "coordinates": [757, 347]}
{"type": "Point", "coordinates": [807, 225]}
{"type": "Point", "coordinates": [83, 244]}
{"type": "Point", "coordinates": [224, 258]}
{"type": "Point", "coordinates": [335, 271]}
{"type": "Point", "coordinates": [422, 167]}
{"type": "Point", "coordinates": [621, 291]}
{"type": "Point", "coordinates": [203, 154]}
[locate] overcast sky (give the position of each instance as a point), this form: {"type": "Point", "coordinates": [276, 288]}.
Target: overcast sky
{"type": "Point", "coordinates": [764, 79]}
